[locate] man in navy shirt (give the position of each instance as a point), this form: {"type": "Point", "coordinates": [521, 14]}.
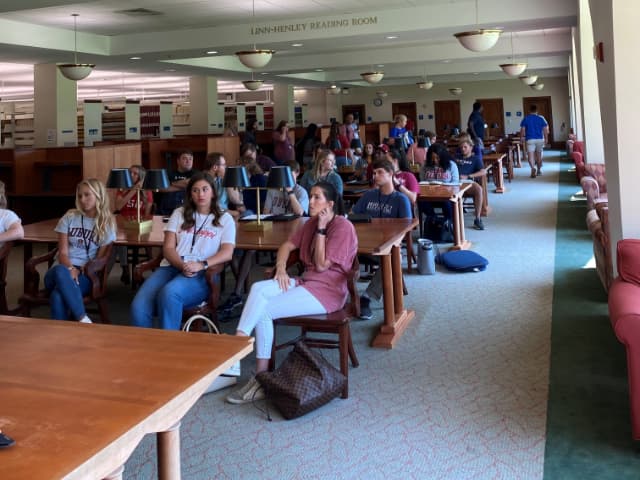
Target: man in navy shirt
{"type": "Point", "coordinates": [471, 167]}
{"type": "Point", "coordinates": [535, 129]}
{"type": "Point", "coordinates": [383, 201]}
{"type": "Point", "coordinates": [475, 125]}
{"type": "Point", "coordinates": [172, 198]}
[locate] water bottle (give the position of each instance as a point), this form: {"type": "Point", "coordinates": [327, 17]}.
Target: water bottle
{"type": "Point", "coordinates": [426, 257]}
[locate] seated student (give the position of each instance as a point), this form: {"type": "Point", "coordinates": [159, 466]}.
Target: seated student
{"type": "Point", "coordinates": [418, 151]}
{"type": "Point", "coordinates": [327, 244]}
{"type": "Point", "coordinates": [438, 165]}
{"type": "Point", "coordinates": [197, 236]}
{"type": "Point", "coordinates": [471, 167]}
{"type": "Point", "coordinates": [383, 201]}
{"type": "Point", "coordinates": [322, 172]}
{"type": "Point", "coordinates": [366, 160]}
{"type": "Point", "coordinates": [172, 197]}
{"type": "Point", "coordinates": [10, 223]}
{"type": "Point", "coordinates": [404, 180]}
{"type": "Point", "coordinates": [294, 200]}
{"type": "Point", "coordinates": [257, 178]}
{"type": "Point", "coordinates": [430, 138]}
{"type": "Point", "coordinates": [215, 165]}
{"type": "Point", "coordinates": [249, 154]}
{"type": "Point", "coordinates": [477, 146]}
{"type": "Point", "coordinates": [84, 234]}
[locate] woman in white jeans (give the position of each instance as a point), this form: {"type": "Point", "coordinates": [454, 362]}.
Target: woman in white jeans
{"type": "Point", "coordinates": [328, 244]}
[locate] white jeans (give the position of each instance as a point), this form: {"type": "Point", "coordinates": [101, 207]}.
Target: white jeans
{"type": "Point", "coordinates": [267, 301]}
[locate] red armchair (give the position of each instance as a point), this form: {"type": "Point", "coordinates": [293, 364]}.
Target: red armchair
{"type": "Point", "coordinates": [624, 313]}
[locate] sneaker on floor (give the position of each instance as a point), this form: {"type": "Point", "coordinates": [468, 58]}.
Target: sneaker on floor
{"type": "Point", "coordinates": [477, 224]}
{"type": "Point", "coordinates": [232, 302]}
{"type": "Point", "coordinates": [533, 173]}
{"type": "Point", "coordinates": [365, 309]}
{"type": "Point", "coordinates": [251, 391]}
{"type": "Point", "coordinates": [539, 172]}
{"type": "Point", "coordinates": [85, 319]}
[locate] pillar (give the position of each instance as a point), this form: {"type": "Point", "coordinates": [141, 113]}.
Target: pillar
{"type": "Point", "coordinates": [55, 107]}
{"type": "Point", "coordinates": [203, 96]}
{"type": "Point", "coordinates": [132, 120]}
{"type": "Point", "coordinates": [283, 106]}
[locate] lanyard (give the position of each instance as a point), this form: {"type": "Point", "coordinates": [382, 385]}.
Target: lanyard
{"type": "Point", "coordinates": [84, 236]}
{"type": "Point", "coordinates": [197, 231]}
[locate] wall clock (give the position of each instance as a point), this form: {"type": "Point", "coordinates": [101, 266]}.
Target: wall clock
{"type": "Point", "coordinates": [377, 102]}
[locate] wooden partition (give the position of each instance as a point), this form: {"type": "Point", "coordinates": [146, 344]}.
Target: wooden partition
{"type": "Point", "coordinates": [97, 162]}
{"type": "Point", "coordinates": [228, 146]}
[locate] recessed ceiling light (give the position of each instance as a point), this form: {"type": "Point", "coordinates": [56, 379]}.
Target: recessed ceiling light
{"type": "Point", "coordinates": [170, 70]}
{"type": "Point", "coordinates": [296, 44]}
{"type": "Point", "coordinates": [446, 61]}
{"type": "Point", "coordinates": [319, 70]}
{"type": "Point", "coordinates": [476, 73]}
{"type": "Point", "coordinates": [135, 58]}
{"type": "Point", "coordinates": [212, 52]}
{"type": "Point", "coordinates": [264, 73]}
{"type": "Point", "coordinates": [380, 65]}
{"type": "Point", "coordinates": [391, 37]}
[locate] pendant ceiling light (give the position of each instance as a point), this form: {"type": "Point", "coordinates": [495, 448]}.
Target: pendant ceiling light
{"type": "Point", "coordinates": [455, 91]}
{"type": "Point", "coordinates": [372, 77]}
{"type": "Point", "coordinates": [75, 71]}
{"type": "Point", "coordinates": [537, 86]}
{"type": "Point", "coordinates": [254, 58]}
{"type": "Point", "coordinates": [515, 68]}
{"type": "Point", "coordinates": [480, 39]}
{"type": "Point", "coordinates": [425, 84]}
{"type": "Point", "coordinates": [252, 84]}
{"type": "Point", "coordinates": [528, 79]}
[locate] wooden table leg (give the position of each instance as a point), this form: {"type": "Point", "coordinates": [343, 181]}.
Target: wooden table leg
{"type": "Point", "coordinates": [459, 240]}
{"type": "Point", "coordinates": [169, 454]}
{"type": "Point", "coordinates": [484, 211]}
{"type": "Point", "coordinates": [499, 177]}
{"type": "Point", "coordinates": [116, 475]}
{"type": "Point", "coordinates": [396, 317]}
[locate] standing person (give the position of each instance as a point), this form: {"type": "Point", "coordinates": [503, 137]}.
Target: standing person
{"type": "Point", "coordinates": [304, 147]}
{"type": "Point", "coordinates": [290, 201]}
{"type": "Point", "coordinates": [10, 223]}
{"type": "Point", "coordinates": [475, 125]}
{"type": "Point", "coordinates": [84, 233]}
{"type": "Point", "coordinates": [197, 236]}
{"type": "Point", "coordinates": [535, 129]}
{"type": "Point", "coordinates": [327, 244]}
{"type": "Point", "coordinates": [126, 203]}
{"type": "Point", "coordinates": [322, 172]}
{"type": "Point", "coordinates": [399, 133]}
{"type": "Point", "coordinates": [339, 145]}
{"type": "Point", "coordinates": [172, 197]}
{"type": "Point", "coordinates": [351, 129]}
{"type": "Point", "coordinates": [471, 167]}
{"type": "Point", "coordinates": [282, 149]}
{"type": "Point", "coordinates": [383, 201]}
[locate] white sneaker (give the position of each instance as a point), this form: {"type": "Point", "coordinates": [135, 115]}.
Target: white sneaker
{"type": "Point", "coordinates": [234, 370]}
{"type": "Point", "coordinates": [251, 391]}
{"type": "Point", "coordinates": [85, 319]}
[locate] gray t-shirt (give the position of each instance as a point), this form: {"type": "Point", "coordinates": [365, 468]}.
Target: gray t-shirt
{"type": "Point", "coordinates": [278, 203]}
{"type": "Point", "coordinates": [81, 235]}
{"type": "Point", "coordinates": [7, 218]}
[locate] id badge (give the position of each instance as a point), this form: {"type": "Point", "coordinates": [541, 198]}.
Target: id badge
{"type": "Point", "coordinates": [190, 258]}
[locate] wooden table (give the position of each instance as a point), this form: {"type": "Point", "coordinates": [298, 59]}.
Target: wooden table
{"type": "Point", "coordinates": [453, 194]}
{"type": "Point", "coordinates": [78, 398]}
{"type": "Point", "coordinates": [382, 237]}
{"type": "Point", "coordinates": [494, 161]}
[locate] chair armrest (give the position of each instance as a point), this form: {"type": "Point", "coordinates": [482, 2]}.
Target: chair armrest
{"type": "Point", "coordinates": [31, 274]}
{"type": "Point", "coordinates": [214, 287]}
{"type": "Point", "coordinates": [95, 270]}
{"type": "Point", "coordinates": [294, 257]}
{"type": "Point", "coordinates": [148, 266]}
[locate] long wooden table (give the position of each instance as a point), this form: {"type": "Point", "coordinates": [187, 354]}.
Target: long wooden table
{"type": "Point", "coordinates": [494, 161]}
{"type": "Point", "coordinates": [382, 237]}
{"type": "Point", "coordinates": [453, 194]}
{"type": "Point", "coordinates": [78, 398]}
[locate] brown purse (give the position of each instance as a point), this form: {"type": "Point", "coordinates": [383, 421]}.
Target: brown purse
{"type": "Point", "coordinates": [303, 382]}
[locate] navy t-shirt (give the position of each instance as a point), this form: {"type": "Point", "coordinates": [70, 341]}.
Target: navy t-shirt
{"type": "Point", "coordinates": [169, 201]}
{"type": "Point", "coordinates": [378, 205]}
{"type": "Point", "coordinates": [477, 124]}
{"type": "Point", "coordinates": [469, 165]}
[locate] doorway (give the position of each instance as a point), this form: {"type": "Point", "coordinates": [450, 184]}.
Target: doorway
{"type": "Point", "coordinates": [493, 114]}
{"type": "Point", "coordinates": [357, 111]}
{"type": "Point", "coordinates": [447, 116]}
{"type": "Point", "coordinates": [544, 109]}
{"type": "Point", "coordinates": [408, 109]}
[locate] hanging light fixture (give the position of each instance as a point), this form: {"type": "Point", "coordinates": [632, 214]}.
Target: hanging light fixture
{"type": "Point", "coordinates": [537, 86]}
{"type": "Point", "coordinates": [515, 68]}
{"type": "Point", "coordinates": [254, 58]}
{"type": "Point", "coordinates": [455, 91]}
{"type": "Point", "coordinates": [426, 85]}
{"type": "Point", "coordinates": [372, 77]}
{"type": "Point", "coordinates": [480, 39]}
{"type": "Point", "coordinates": [528, 79]}
{"type": "Point", "coordinates": [75, 71]}
{"type": "Point", "coordinates": [252, 84]}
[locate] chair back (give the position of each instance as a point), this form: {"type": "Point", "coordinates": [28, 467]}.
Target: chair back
{"type": "Point", "coordinates": [4, 261]}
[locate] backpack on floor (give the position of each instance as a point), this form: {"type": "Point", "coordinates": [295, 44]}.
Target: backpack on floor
{"type": "Point", "coordinates": [463, 261]}
{"type": "Point", "coordinates": [438, 229]}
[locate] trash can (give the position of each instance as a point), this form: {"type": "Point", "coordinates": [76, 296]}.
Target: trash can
{"type": "Point", "coordinates": [426, 257]}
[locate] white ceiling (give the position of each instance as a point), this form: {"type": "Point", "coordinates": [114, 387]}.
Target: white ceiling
{"type": "Point", "coordinates": [173, 40]}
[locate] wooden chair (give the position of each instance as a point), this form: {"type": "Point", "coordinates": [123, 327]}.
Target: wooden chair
{"type": "Point", "coordinates": [5, 250]}
{"type": "Point", "coordinates": [207, 308]}
{"type": "Point", "coordinates": [96, 270]}
{"type": "Point", "coordinates": [335, 323]}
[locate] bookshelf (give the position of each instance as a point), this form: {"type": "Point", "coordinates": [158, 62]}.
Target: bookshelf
{"type": "Point", "coordinates": [113, 125]}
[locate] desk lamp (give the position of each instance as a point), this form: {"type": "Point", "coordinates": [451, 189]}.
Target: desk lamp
{"type": "Point", "coordinates": [236, 177]}
{"type": "Point", "coordinates": [155, 179]}
{"type": "Point", "coordinates": [120, 178]}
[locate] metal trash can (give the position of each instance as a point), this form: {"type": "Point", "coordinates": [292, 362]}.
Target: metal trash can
{"type": "Point", "coordinates": [426, 257]}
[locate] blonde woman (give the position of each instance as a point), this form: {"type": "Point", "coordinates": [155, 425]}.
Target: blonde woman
{"type": "Point", "coordinates": [84, 233]}
{"type": "Point", "coordinates": [10, 223]}
{"type": "Point", "coordinates": [322, 171]}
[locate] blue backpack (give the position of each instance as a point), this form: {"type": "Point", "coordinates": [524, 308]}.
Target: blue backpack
{"type": "Point", "coordinates": [464, 261]}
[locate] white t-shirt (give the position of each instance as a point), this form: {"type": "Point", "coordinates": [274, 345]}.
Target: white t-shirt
{"type": "Point", "coordinates": [208, 238]}
{"type": "Point", "coordinates": [7, 218]}
{"type": "Point", "coordinates": [81, 235]}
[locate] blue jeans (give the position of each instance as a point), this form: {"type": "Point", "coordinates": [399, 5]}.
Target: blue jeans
{"type": "Point", "coordinates": [166, 293]}
{"type": "Point", "coordinates": [65, 295]}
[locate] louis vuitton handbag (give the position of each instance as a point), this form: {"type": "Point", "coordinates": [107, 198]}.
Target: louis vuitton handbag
{"type": "Point", "coordinates": [304, 381]}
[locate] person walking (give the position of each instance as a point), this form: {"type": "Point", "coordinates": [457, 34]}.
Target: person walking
{"type": "Point", "coordinates": [535, 129]}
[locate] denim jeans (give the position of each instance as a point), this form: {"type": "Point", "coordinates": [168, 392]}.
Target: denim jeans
{"type": "Point", "coordinates": [65, 295]}
{"type": "Point", "coordinates": [165, 294]}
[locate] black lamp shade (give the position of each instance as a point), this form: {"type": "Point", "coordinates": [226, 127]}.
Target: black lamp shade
{"type": "Point", "coordinates": [280, 177]}
{"type": "Point", "coordinates": [156, 179]}
{"type": "Point", "coordinates": [355, 143]}
{"type": "Point", "coordinates": [119, 178]}
{"type": "Point", "coordinates": [236, 177]}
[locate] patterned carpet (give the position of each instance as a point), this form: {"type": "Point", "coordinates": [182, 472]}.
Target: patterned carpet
{"type": "Point", "coordinates": [463, 394]}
